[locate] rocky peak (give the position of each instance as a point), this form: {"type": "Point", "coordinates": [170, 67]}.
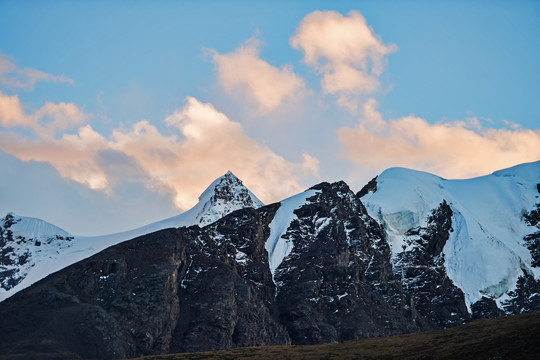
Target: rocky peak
{"type": "Point", "coordinates": [371, 186]}
{"type": "Point", "coordinates": [225, 195]}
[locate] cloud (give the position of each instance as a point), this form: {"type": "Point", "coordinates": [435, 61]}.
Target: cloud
{"type": "Point", "coordinates": [345, 51]}
{"type": "Point", "coordinates": [46, 120]}
{"type": "Point", "coordinates": [73, 155]}
{"type": "Point", "coordinates": [203, 144]}
{"type": "Point", "coordinates": [36, 189]}
{"type": "Point", "coordinates": [459, 149]}
{"type": "Point", "coordinates": [15, 77]}
{"type": "Point", "coordinates": [11, 112]}
{"type": "Point", "coordinates": [242, 72]}
{"type": "Point", "coordinates": [211, 144]}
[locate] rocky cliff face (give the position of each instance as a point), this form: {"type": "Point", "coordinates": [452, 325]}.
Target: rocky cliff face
{"type": "Point", "coordinates": [174, 290]}
{"type": "Point", "coordinates": [337, 283]}
{"type": "Point", "coordinates": [420, 267]}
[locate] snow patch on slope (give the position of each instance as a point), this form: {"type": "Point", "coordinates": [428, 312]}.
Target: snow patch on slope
{"type": "Point", "coordinates": [277, 246]}
{"type": "Point", "coordinates": [485, 252]}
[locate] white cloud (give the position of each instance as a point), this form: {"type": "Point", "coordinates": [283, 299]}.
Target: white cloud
{"type": "Point", "coordinates": [243, 73]}
{"type": "Point", "coordinates": [345, 50]}
{"type": "Point", "coordinates": [204, 144]}
{"type": "Point", "coordinates": [458, 149]}
{"type": "Point", "coordinates": [12, 76]}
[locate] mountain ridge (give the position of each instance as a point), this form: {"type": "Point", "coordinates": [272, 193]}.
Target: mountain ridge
{"type": "Point", "coordinates": [323, 266]}
{"type": "Point", "coordinates": [34, 254]}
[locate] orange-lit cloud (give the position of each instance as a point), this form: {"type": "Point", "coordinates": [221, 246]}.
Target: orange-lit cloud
{"type": "Point", "coordinates": [210, 145]}
{"type": "Point", "coordinates": [12, 76]}
{"type": "Point", "coordinates": [345, 50]}
{"type": "Point", "coordinates": [46, 120]}
{"type": "Point", "coordinates": [204, 144]}
{"type": "Point", "coordinates": [72, 155]}
{"type": "Point", "coordinates": [11, 112]}
{"type": "Point", "coordinates": [459, 149]}
{"type": "Point", "coordinates": [244, 74]}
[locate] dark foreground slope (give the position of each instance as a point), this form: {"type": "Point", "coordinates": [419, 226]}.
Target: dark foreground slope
{"type": "Point", "coordinates": [512, 337]}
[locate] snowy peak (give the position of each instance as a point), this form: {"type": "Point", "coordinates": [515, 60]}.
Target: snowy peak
{"type": "Point", "coordinates": [24, 242]}
{"type": "Point", "coordinates": [485, 254]}
{"type": "Point", "coordinates": [30, 228]}
{"type": "Point", "coordinates": [225, 195]}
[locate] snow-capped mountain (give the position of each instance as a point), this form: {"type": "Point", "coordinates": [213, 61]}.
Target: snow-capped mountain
{"type": "Point", "coordinates": [409, 252]}
{"type": "Point", "coordinates": [491, 241]}
{"type": "Point", "coordinates": [30, 248]}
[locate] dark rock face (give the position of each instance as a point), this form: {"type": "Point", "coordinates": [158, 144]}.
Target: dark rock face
{"type": "Point", "coordinates": [226, 291]}
{"type": "Point", "coordinates": [119, 303]}
{"type": "Point", "coordinates": [526, 296]}
{"type": "Point", "coordinates": [337, 284]}
{"type": "Point", "coordinates": [371, 186]}
{"type": "Point", "coordinates": [532, 241]}
{"type": "Point", "coordinates": [485, 308]}
{"type": "Point", "coordinates": [171, 291]}
{"type": "Point", "coordinates": [438, 302]}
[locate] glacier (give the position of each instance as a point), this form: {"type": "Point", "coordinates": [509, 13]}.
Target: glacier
{"type": "Point", "coordinates": [485, 253]}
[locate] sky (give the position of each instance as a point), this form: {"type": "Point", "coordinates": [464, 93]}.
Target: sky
{"type": "Point", "coordinates": [117, 114]}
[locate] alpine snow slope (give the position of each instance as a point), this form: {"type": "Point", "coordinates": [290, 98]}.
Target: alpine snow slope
{"type": "Point", "coordinates": [31, 249]}
{"type": "Point", "coordinates": [492, 249]}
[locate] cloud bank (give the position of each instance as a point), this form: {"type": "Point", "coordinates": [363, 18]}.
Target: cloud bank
{"type": "Point", "coordinates": [202, 145]}
{"type": "Point", "coordinates": [345, 51]}
{"type": "Point", "coordinates": [459, 149]}
{"type": "Point", "coordinates": [244, 74]}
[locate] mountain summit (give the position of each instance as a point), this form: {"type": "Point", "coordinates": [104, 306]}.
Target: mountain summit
{"type": "Point", "coordinates": [225, 195]}
{"type": "Point", "coordinates": [31, 249]}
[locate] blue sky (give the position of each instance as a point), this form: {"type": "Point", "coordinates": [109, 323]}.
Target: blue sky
{"type": "Point", "coordinates": [449, 87]}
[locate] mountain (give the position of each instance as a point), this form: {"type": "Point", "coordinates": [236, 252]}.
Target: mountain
{"type": "Point", "coordinates": [31, 249]}
{"type": "Point", "coordinates": [410, 252]}
{"type": "Point", "coordinates": [492, 248]}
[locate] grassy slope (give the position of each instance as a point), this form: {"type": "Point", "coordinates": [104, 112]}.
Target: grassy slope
{"type": "Point", "coordinates": [513, 337]}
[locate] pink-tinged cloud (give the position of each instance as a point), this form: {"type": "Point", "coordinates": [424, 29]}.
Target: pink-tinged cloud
{"type": "Point", "coordinates": [203, 144]}
{"type": "Point", "coordinates": [73, 155]}
{"type": "Point", "coordinates": [459, 149]}
{"type": "Point", "coordinates": [210, 145]}
{"type": "Point", "coordinates": [345, 51]}
{"type": "Point", "coordinates": [45, 121]}
{"type": "Point", "coordinates": [11, 112]}
{"type": "Point", "coordinates": [243, 74]}
{"type": "Point", "coordinates": [12, 76]}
